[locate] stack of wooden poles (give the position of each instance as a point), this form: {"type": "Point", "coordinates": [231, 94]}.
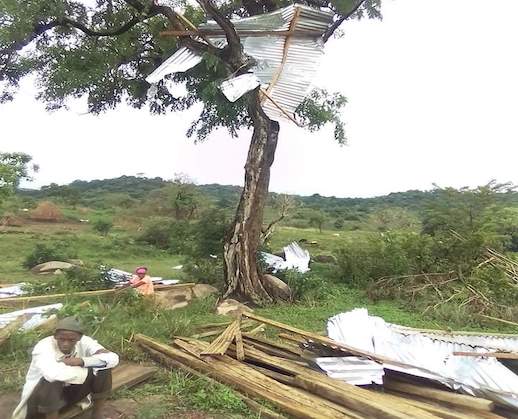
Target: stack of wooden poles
{"type": "Point", "coordinates": [283, 373]}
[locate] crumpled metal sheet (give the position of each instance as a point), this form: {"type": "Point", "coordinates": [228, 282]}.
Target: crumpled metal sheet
{"type": "Point", "coordinates": [181, 61]}
{"type": "Point", "coordinates": [234, 88]}
{"type": "Point", "coordinates": [12, 291]}
{"type": "Point", "coordinates": [296, 258]}
{"type": "Point", "coordinates": [291, 81]}
{"type": "Point", "coordinates": [352, 369]}
{"type": "Point", "coordinates": [38, 315]}
{"type": "Point", "coordinates": [427, 357]}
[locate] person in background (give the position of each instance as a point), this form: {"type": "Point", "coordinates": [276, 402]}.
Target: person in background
{"type": "Point", "coordinates": [142, 282]}
{"type": "Point", "coordinates": [66, 368]}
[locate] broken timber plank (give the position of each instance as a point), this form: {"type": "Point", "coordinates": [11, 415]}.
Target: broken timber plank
{"type": "Point", "coordinates": [159, 357]}
{"type": "Point", "coordinates": [126, 375]}
{"type": "Point", "coordinates": [295, 350]}
{"type": "Point", "coordinates": [440, 395]}
{"type": "Point", "coordinates": [240, 350]}
{"type": "Point", "coordinates": [245, 379]}
{"type": "Point", "coordinates": [98, 293]}
{"type": "Point", "coordinates": [220, 345]}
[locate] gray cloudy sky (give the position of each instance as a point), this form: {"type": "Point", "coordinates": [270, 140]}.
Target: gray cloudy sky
{"type": "Point", "coordinates": [432, 91]}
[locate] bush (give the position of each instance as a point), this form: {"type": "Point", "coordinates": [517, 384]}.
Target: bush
{"type": "Point", "coordinates": [207, 271]}
{"type": "Point", "coordinates": [304, 286]}
{"type": "Point", "coordinates": [79, 278]}
{"type": "Point", "coordinates": [102, 226]}
{"type": "Point", "coordinates": [209, 233]}
{"type": "Point", "coordinates": [42, 252]}
{"type": "Point", "coordinates": [167, 234]}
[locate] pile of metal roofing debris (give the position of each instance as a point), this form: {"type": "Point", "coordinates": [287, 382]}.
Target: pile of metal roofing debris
{"type": "Point", "coordinates": [306, 375]}
{"type": "Point", "coordinates": [295, 257]}
{"type": "Point", "coordinates": [287, 48]}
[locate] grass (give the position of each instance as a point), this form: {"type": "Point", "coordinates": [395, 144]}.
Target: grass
{"type": "Point", "coordinates": [327, 241]}
{"type": "Point", "coordinates": [114, 322]}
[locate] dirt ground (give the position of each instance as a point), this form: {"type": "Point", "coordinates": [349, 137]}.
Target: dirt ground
{"type": "Point", "coordinates": [115, 409]}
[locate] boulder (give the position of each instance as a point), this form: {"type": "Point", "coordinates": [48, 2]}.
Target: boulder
{"type": "Point", "coordinates": [276, 287]}
{"type": "Point", "coordinates": [324, 259]}
{"type": "Point", "coordinates": [204, 290]}
{"type": "Point", "coordinates": [231, 307]}
{"type": "Point", "coordinates": [52, 266]}
{"type": "Point", "coordinates": [175, 298]}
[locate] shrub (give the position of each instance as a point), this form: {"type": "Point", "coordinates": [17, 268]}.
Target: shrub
{"type": "Point", "coordinates": [102, 226]}
{"type": "Point", "coordinates": [168, 234]}
{"type": "Point", "coordinates": [43, 252]}
{"type": "Point", "coordinates": [79, 278]}
{"type": "Point", "coordinates": [205, 270]}
{"type": "Point", "coordinates": [304, 286]}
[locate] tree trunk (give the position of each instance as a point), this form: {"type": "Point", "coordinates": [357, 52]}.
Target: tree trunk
{"type": "Point", "coordinates": [243, 277]}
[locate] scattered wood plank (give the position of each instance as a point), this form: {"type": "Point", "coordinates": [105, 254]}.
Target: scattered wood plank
{"type": "Point", "coordinates": [126, 375]}
{"type": "Point", "coordinates": [159, 357]}
{"type": "Point", "coordinates": [291, 349]}
{"type": "Point", "coordinates": [439, 395]}
{"type": "Point", "coordinates": [249, 381]}
{"type": "Point", "coordinates": [86, 294]}
{"type": "Point", "coordinates": [220, 345]}
{"type": "Point", "coordinates": [240, 350]}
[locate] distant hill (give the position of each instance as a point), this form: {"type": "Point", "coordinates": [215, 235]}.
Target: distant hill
{"type": "Point", "coordinates": [90, 192]}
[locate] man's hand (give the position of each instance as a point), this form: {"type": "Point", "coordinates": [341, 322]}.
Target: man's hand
{"type": "Point", "coordinates": [73, 362]}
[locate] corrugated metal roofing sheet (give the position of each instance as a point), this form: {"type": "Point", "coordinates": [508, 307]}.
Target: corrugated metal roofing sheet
{"type": "Point", "coordinates": [37, 315]}
{"type": "Point", "coordinates": [292, 79]}
{"type": "Point", "coordinates": [429, 357]}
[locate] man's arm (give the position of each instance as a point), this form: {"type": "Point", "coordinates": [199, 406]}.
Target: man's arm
{"type": "Point", "coordinates": [52, 370]}
{"type": "Point", "coordinates": [97, 356]}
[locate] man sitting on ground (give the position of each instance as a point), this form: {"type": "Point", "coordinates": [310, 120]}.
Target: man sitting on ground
{"type": "Point", "coordinates": [65, 369]}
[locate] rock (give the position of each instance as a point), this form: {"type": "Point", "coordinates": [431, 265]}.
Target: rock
{"type": "Point", "coordinates": [58, 272]}
{"type": "Point", "coordinates": [204, 290]}
{"type": "Point", "coordinates": [324, 259]}
{"type": "Point", "coordinates": [76, 262]}
{"type": "Point", "coordinates": [175, 298]}
{"type": "Point", "coordinates": [276, 287]}
{"type": "Point", "coordinates": [231, 307]}
{"type": "Point", "coordinates": [49, 267]}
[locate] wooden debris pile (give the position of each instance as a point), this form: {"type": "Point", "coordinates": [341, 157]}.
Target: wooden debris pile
{"type": "Point", "coordinates": [283, 372]}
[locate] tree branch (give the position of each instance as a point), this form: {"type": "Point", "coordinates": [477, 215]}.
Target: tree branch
{"type": "Point", "coordinates": [41, 28]}
{"type": "Point", "coordinates": [331, 30]}
{"type": "Point", "coordinates": [233, 41]}
{"type": "Point", "coordinates": [90, 32]}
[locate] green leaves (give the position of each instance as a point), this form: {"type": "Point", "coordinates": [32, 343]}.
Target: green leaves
{"type": "Point", "coordinates": [321, 108]}
{"type": "Point", "coordinates": [13, 169]}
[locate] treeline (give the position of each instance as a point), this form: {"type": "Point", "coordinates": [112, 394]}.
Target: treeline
{"type": "Point", "coordinates": [184, 200]}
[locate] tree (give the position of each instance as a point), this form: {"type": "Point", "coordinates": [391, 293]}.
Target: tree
{"type": "Point", "coordinates": [317, 219]}
{"type": "Point", "coordinates": [102, 226]}
{"type": "Point", "coordinates": [14, 167]}
{"type": "Point", "coordinates": [105, 49]}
